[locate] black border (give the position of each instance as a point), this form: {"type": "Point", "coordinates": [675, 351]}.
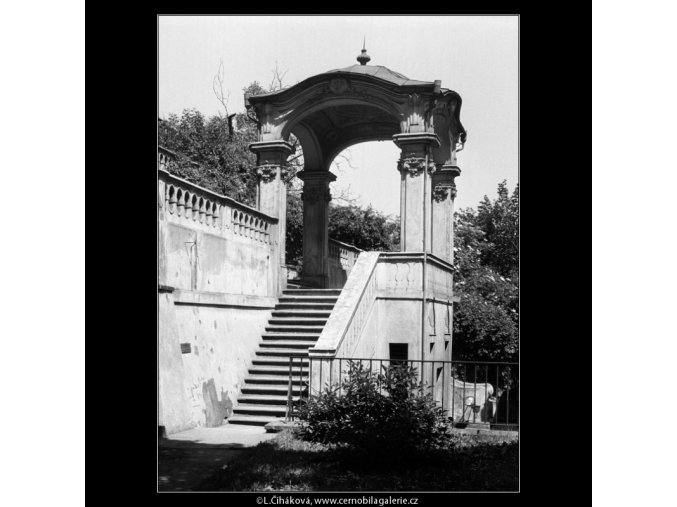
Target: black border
{"type": "Point", "coordinates": [121, 53]}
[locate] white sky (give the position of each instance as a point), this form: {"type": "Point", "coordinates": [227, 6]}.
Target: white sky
{"type": "Point", "coordinates": [477, 56]}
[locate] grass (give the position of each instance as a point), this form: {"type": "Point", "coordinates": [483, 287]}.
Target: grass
{"type": "Point", "coordinates": [287, 463]}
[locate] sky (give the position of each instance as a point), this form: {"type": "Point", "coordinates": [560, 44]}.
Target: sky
{"type": "Point", "coordinates": [476, 56]}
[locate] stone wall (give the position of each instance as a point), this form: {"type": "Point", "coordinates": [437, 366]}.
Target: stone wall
{"type": "Point", "coordinates": [218, 272]}
{"type": "Point", "coordinates": [381, 304]}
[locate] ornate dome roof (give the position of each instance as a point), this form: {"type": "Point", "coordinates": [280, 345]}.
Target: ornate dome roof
{"type": "Point", "coordinates": [381, 72]}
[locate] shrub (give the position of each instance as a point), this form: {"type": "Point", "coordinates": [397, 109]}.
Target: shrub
{"type": "Point", "coordinates": [383, 412]}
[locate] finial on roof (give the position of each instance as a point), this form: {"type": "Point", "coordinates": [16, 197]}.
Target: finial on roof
{"type": "Point", "coordinates": [364, 57]}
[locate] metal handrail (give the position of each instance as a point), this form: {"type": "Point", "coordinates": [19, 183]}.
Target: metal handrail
{"type": "Point", "coordinates": [505, 373]}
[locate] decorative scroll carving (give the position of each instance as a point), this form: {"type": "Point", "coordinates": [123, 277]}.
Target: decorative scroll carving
{"type": "Point", "coordinates": [440, 193]}
{"type": "Point", "coordinates": [267, 172]}
{"type": "Point", "coordinates": [452, 190]}
{"type": "Point", "coordinates": [415, 165]}
{"type": "Point", "coordinates": [443, 190]}
{"type": "Point", "coordinates": [338, 85]}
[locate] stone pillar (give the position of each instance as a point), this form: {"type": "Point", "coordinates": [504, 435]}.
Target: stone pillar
{"type": "Point", "coordinates": [316, 197]}
{"type": "Point", "coordinates": [443, 195]}
{"type": "Point", "coordinates": [414, 183]}
{"type": "Point", "coordinates": [272, 195]}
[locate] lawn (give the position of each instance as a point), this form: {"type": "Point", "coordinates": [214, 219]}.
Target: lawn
{"type": "Point", "coordinates": [287, 463]}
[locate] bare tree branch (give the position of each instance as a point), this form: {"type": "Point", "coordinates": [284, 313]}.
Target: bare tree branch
{"type": "Point", "coordinates": [345, 196]}
{"type": "Point", "coordinates": [217, 87]}
{"type": "Point", "coordinates": [276, 83]}
{"type": "Point", "coordinates": [345, 157]}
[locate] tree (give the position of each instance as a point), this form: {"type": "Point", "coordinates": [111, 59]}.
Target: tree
{"type": "Point", "coordinates": [500, 222]}
{"type": "Point", "coordinates": [366, 228]}
{"type": "Point", "coordinates": [210, 155]}
{"type": "Point", "coordinates": [486, 257]}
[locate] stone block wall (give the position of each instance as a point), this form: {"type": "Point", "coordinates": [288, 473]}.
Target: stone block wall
{"type": "Point", "coordinates": [218, 273]}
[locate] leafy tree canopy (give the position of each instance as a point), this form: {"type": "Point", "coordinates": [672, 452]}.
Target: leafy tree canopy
{"type": "Point", "coordinates": [486, 254]}
{"type": "Point", "coordinates": [212, 153]}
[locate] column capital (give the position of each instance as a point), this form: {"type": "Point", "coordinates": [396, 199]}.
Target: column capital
{"type": "Point", "coordinates": [316, 185]}
{"type": "Point", "coordinates": [415, 165]}
{"type": "Point", "coordinates": [444, 184]}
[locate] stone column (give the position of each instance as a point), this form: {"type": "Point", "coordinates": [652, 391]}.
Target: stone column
{"type": "Point", "coordinates": [412, 165]}
{"type": "Point", "coordinates": [272, 194]}
{"type": "Point", "coordinates": [443, 195]}
{"type": "Point", "coordinates": [316, 197]}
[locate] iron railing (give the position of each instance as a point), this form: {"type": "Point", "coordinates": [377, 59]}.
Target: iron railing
{"type": "Point", "coordinates": [485, 393]}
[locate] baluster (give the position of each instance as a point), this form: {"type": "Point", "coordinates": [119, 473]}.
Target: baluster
{"type": "Point", "coordinates": [202, 211]}
{"type": "Point", "coordinates": [215, 214]}
{"type": "Point", "coordinates": [208, 209]}
{"type": "Point", "coordinates": [196, 207]}
{"type": "Point", "coordinates": [181, 200]}
{"type": "Point", "coordinates": [172, 199]}
{"type": "Point", "coordinates": [189, 206]}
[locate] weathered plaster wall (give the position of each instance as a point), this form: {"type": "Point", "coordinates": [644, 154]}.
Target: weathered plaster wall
{"type": "Point", "coordinates": [218, 272]}
{"type": "Point", "coordinates": [222, 345]}
{"type": "Point", "coordinates": [172, 401]}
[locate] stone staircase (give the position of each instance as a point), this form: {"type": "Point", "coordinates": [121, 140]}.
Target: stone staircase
{"type": "Point", "coordinates": [295, 325]}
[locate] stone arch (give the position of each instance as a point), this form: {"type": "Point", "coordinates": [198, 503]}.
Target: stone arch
{"type": "Point", "coordinates": [332, 111]}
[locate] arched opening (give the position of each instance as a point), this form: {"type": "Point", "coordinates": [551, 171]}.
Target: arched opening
{"type": "Point", "coordinates": [368, 185]}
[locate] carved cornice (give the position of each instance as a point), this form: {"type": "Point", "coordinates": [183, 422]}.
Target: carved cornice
{"type": "Point", "coordinates": [283, 147]}
{"type": "Point", "coordinates": [417, 138]}
{"type": "Point", "coordinates": [415, 165]}
{"type": "Point", "coordinates": [315, 193]}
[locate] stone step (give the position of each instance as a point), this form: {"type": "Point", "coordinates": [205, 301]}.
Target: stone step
{"type": "Point", "coordinates": [281, 361]}
{"type": "Point", "coordinates": [311, 292]}
{"type": "Point", "coordinates": [301, 313]}
{"type": "Point", "coordinates": [293, 344]}
{"type": "Point", "coordinates": [258, 409]}
{"type": "Point", "coordinates": [307, 299]}
{"type": "Point", "coordinates": [251, 420]}
{"type": "Point", "coordinates": [290, 336]}
{"type": "Point", "coordinates": [294, 329]}
{"type": "Point", "coordinates": [266, 399]}
{"type": "Point", "coordinates": [327, 307]}
{"type": "Point", "coordinates": [297, 321]}
{"type": "Point", "coordinates": [276, 389]}
{"type": "Point", "coordinates": [283, 352]}
{"type": "Point", "coordinates": [257, 378]}
{"type": "Point", "coordinates": [278, 370]}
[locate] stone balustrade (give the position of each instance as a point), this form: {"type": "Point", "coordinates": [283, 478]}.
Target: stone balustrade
{"type": "Point", "coordinates": [343, 255]}
{"type": "Point", "coordinates": [192, 205]}
{"type": "Point", "coordinates": [213, 248]}
{"type": "Point", "coordinates": [165, 158]}
{"type": "Point", "coordinates": [342, 258]}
